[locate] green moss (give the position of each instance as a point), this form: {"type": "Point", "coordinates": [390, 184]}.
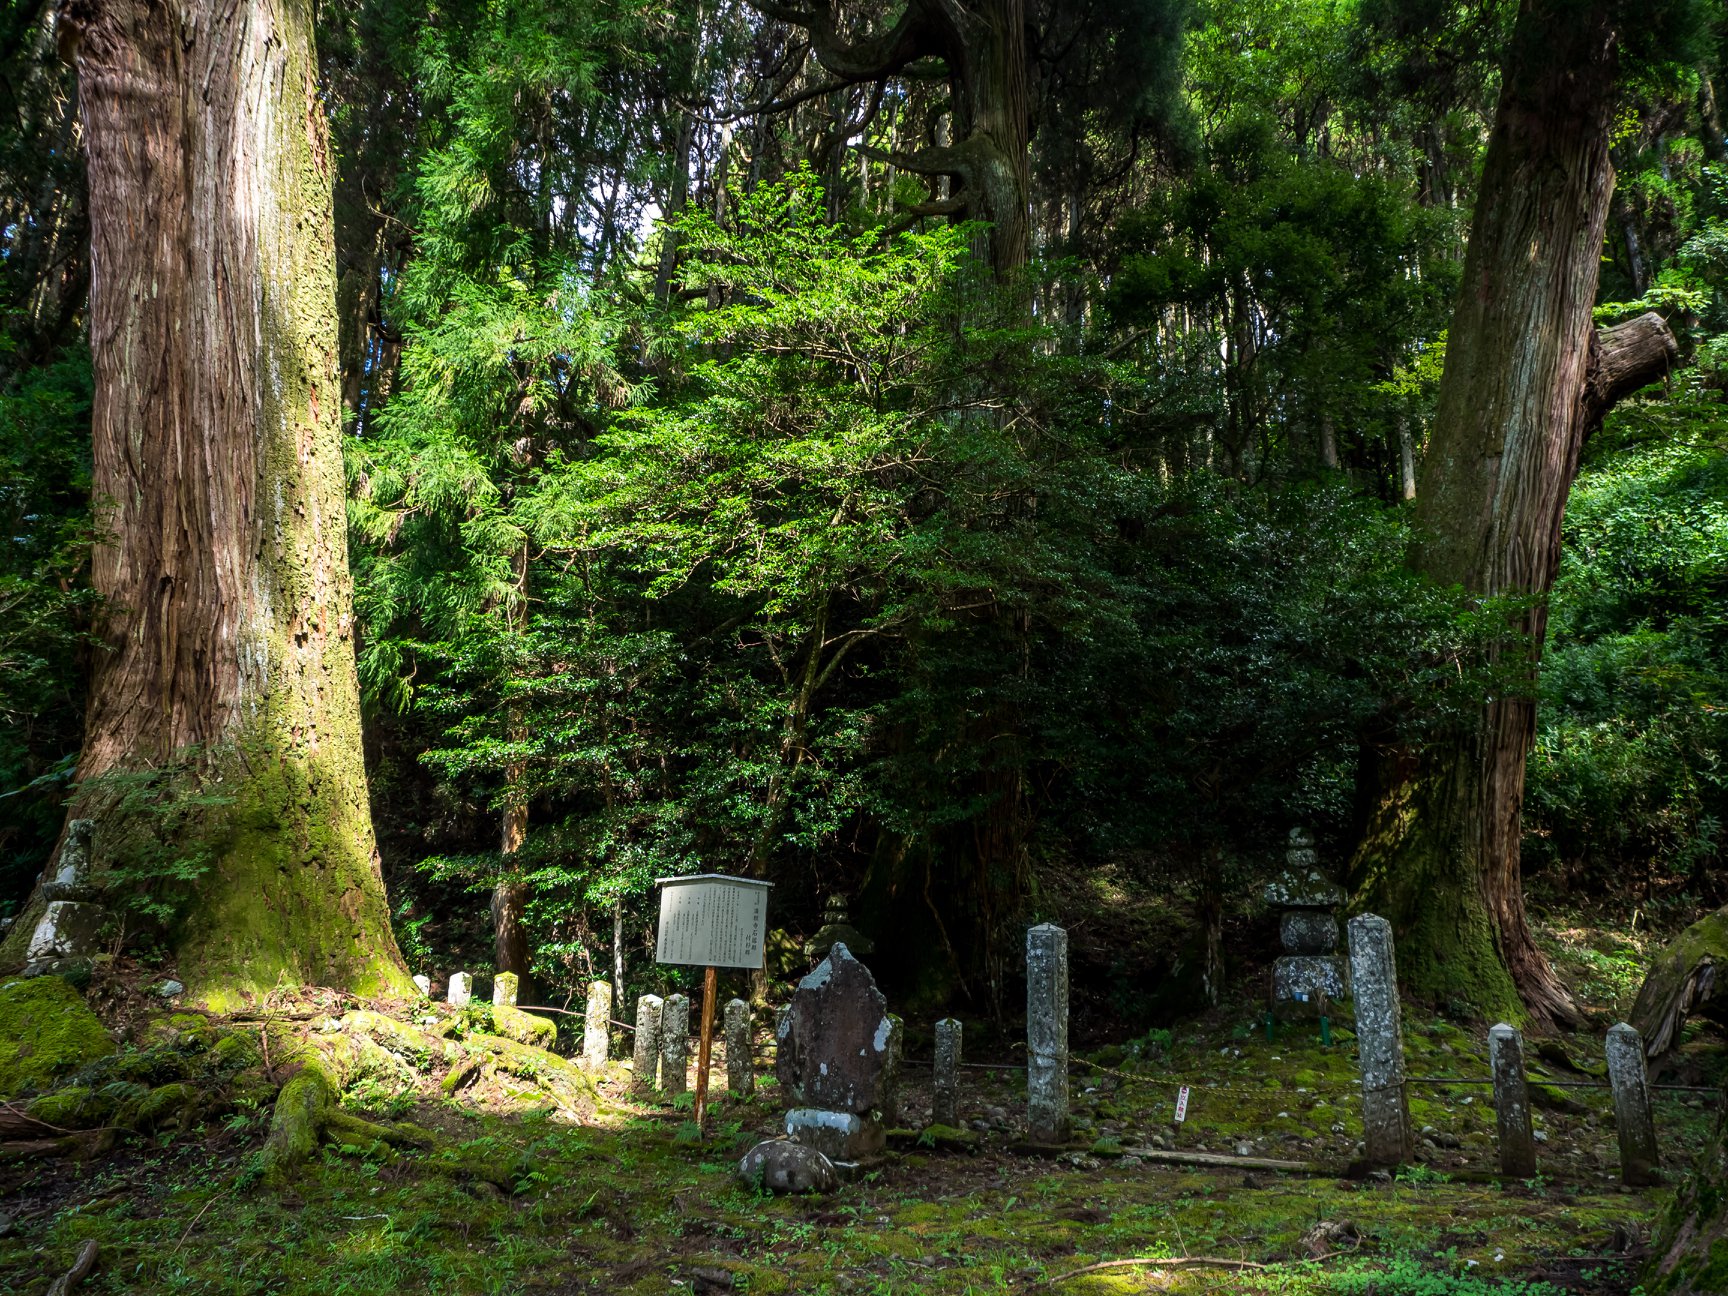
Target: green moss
{"type": "Point", "coordinates": [75, 1107]}
{"type": "Point", "coordinates": [523, 1027]}
{"type": "Point", "coordinates": [233, 1052]}
{"type": "Point", "coordinates": [46, 1031]}
{"type": "Point", "coordinates": [166, 1105]}
{"type": "Point", "coordinates": [1417, 867]}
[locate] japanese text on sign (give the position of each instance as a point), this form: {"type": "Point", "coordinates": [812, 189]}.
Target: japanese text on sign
{"type": "Point", "coordinates": [1182, 1104]}
{"type": "Point", "coordinates": [711, 920]}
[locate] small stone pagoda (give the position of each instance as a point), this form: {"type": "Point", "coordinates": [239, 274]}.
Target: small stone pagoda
{"type": "Point", "coordinates": [836, 929]}
{"type": "Point", "coordinates": [1307, 901]}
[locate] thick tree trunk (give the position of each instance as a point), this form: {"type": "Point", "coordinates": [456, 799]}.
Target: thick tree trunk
{"type": "Point", "coordinates": [218, 460]}
{"type": "Point", "coordinates": [1690, 1246]}
{"type": "Point", "coordinates": [1525, 379]}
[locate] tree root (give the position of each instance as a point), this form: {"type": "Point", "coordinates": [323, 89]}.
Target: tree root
{"type": "Point", "coordinates": [308, 1107]}
{"type": "Point", "coordinates": [80, 1270]}
{"type": "Point", "coordinates": [1681, 978]}
{"type": "Point", "coordinates": [322, 1063]}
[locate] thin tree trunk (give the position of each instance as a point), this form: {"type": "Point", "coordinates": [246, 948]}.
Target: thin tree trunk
{"type": "Point", "coordinates": [618, 997]}
{"type": "Point", "coordinates": [1710, 120]}
{"type": "Point", "coordinates": [1406, 461]}
{"type": "Point", "coordinates": [675, 200]}
{"type": "Point", "coordinates": [510, 948]}
{"type": "Point", "coordinates": [224, 564]}
{"type": "Point", "coordinates": [1525, 378]}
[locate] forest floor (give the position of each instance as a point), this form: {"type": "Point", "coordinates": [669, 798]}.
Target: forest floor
{"type": "Point", "coordinates": [630, 1203]}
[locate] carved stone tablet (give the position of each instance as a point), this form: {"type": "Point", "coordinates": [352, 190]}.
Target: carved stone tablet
{"type": "Point", "coordinates": [833, 1047]}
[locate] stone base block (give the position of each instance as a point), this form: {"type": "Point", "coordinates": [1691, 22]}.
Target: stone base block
{"type": "Point", "coordinates": [839, 1136]}
{"type": "Point", "coordinates": [67, 928]}
{"type": "Point", "coordinates": [1308, 931]}
{"type": "Point", "coordinates": [1300, 978]}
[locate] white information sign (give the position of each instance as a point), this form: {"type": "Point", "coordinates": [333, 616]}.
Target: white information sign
{"type": "Point", "coordinates": [1182, 1104]}
{"type": "Point", "coordinates": [711, 920]}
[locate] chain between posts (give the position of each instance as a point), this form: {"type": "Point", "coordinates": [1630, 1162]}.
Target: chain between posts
{"type": "Point", "coordinates": [1126, 1078]}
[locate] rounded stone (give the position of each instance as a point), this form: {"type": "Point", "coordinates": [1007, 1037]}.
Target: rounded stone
{"type": "Point", "coordinates": [782, 1166]}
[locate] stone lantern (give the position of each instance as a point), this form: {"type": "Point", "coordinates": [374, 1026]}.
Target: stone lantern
{"type": "Point", "coordinates": [1308, 900]}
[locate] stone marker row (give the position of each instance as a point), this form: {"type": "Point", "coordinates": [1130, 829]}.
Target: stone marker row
{"type": "Point", "coordinates": [662, 1056]}
{"type": "Point", "coordinates": [1385, 1099]}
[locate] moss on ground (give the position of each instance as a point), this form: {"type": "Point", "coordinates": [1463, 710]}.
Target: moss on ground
{"type": "Point", "coordinates": [46, 1032]}
{"type": "Point", "coordinates": [519, 1201]}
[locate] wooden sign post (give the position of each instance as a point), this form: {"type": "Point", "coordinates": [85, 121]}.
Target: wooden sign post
{"type": "Point", "coordinates": [711, 921]}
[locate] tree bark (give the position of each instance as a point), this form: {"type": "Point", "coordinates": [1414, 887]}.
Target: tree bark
{"type": "Point", "coordinates": [1526, 378]}
{"type": "Point", "coordinates": [218, 464]}
{"type": "Point", "coordinates": [1690, 1246]}
{"type": "Point", "coordinates": [983, 44]}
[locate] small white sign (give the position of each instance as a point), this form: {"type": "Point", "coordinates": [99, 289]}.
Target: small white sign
{"type": "Point", "coordinates": [1182, 1104]}
{"type": "Point", "coordinates": [711, 920]}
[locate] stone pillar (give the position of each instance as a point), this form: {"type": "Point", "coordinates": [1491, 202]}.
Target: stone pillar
{"type": "Point", "coordinates": [1047, 1034]}
{"type": "Point", "coordinates": [597, 1025]}
{"type": "Point", "coordinates": [1639, 1161]}
{"type": "Point", "coordinates": [740, 1059]}
{"type": "Point", "coordinates": [945, 1089]}
{"type": "Point", "coordinates": [675, 1045]}
{"type": "Point", "coordinates": [1512, 1102]}
{"type": "Point", "coordinates": [461, 990]}
{"type": "Point", "coordinates": [423, 984]}
{"type": "Point", "coordinates": [1379, 1041]}
{"type": "Point", "coordinates": [893, 1068]}
{"type": "Point", "coordinates": [647, 1056]}
{"type": "Point", "coordinates": [504, 990]}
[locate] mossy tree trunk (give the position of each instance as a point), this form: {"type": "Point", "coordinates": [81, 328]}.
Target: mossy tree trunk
{"type": "Point", "coordinates": [1526, 377]}
{"type": "Point", "coordinates": [1690, 1249]}
{"type": "Point", "coordinates": [218, 472]}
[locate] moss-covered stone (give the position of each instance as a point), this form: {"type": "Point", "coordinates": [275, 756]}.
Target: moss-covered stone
{"type": "Point", "coordinates": [76, 1107]}
{"type": "Point", "coordinates": [166, 1106]}
{"type": "Point", "coordinates": [46, 1031]}
{"type": "Point", "coordinates": [523, 1027]}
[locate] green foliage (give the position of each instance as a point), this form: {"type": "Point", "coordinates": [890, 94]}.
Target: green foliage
{"type": "Point", "coordinates": [1626, 775]}
{"type": "Point", "coordinates": [1311, 282]}
{"type": "Point", "coordinates": [45, 605]}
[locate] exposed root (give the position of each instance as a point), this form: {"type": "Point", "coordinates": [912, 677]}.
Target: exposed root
{"type": "Point", "coordinates": [1682, 979]}
{"type": "Point", "coordinates": [324, 1062]}
{"type": "Point", "coordinates": [308, 1108]}
{"type": "Point", "coordinates": [80, 1270]}
{"type": "Point", "coordinates": [570, 1086]}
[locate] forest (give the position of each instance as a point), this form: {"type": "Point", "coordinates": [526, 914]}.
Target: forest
{"type": "Point", "coordinates": [1198, 478]}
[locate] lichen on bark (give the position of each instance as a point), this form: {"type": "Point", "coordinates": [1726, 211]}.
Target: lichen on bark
{"type": "Point", "coordinates": [217, 443]}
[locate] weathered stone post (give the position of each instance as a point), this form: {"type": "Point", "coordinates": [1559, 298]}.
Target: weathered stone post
{"type": "Point", "coordinates": [1512, 1102]}
{"type": "Point", "coordinates": [893, 1070]}
{"type": "Point", "coordinates": [504, 990]}
{"type": "Point", "coordinates": [1047, 1034]}
{"type": "Point", "coordinates": [647, 1054]}
{"type": "Point", "coordinates": [461, 990]}
{"type": "Point", "coordinates": [597, 1025]}
{"type": "Point", "coordinates": [740, 1065]}
{"type": "Point", "coordinates": [675, 1045]}
{"type": "Point", "coordinates": [423, 984]}
{"type": "Point", "coordinates": [1379, 1041]}
{"type": "Point", "coordinates": [945, 1090]}
{"type": "Point", "coordinates": [1640, 1164]}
